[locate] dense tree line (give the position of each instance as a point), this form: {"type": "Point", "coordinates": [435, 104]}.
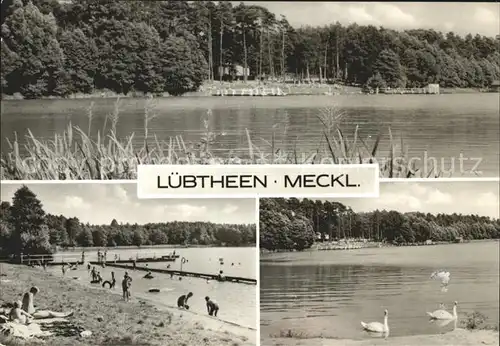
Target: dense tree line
{"type": "Point", "coordinates": [293, 224]}
{"type": "Point", "coordinates": [25, 227]}
{"type": "Point", "coordinates": [54, 48]}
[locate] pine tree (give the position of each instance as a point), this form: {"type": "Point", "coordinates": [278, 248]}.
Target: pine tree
{"type": "Point", "coordinates": [30, 234]}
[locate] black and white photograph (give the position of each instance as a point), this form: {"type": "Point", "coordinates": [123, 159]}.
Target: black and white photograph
{"type": "Point", "coordinates": [92, 88]}
{"type": "Point", "coordinates": [89, 264]}
{"type": "Point", "coordinates": [417, 266]}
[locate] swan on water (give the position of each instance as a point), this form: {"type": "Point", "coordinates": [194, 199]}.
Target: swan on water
{"type": "Point", "coordinates": [442, 275]}
{"type": "Point", "coordinates": [443, 314]}
{"type": "Point", "coordinates": [377, 327]}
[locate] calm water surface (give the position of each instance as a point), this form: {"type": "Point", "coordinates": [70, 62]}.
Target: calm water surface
{"type": "Point", "coordinates": [443, 125]}
{"type": "Point", "coordinates": [329, 293]}
{"type": "Point", "coordinates": [237, 301]}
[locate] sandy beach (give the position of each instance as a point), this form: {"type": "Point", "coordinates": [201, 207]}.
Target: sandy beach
{"type": "Point", "coordinates": [459, 337]}
{"type": "Point", "coordinates": [113, 321]}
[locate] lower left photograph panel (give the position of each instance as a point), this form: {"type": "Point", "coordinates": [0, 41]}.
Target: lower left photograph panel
{"type": "Point", "coordinates": [91, 264]}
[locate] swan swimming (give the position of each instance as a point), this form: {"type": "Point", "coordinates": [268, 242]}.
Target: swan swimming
{"type": "Point", "coordinates": [443, 314]}
{"type": "Point", "coordinates": [377, 327]}
{"type": "Point", "coordinates": [442, 275]}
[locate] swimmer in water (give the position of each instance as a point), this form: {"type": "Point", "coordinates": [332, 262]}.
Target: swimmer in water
{"type": "Point", "coordinates": [221, 276]}
{"type": "Point", "coordinates": [182, 301]}
{"type": "Point", "coordinates": [212, 306]}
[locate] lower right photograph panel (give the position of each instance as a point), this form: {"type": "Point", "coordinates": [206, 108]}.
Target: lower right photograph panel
{"type": "Point", "coordinates": [417, 266]}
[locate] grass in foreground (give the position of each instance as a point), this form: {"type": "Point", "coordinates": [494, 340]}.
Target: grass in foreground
{"type": "Point", "coordinates": [77, 154]}
{"type": "Point", "coordinates": [111, 320]}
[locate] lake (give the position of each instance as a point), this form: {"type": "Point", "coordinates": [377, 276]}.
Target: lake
{"type": "Point", "coordinates": [328, 293]}
{"type": "Point", "coordinates": [237, 301]}
{"type": "Point", "coordinates": [443, 125]}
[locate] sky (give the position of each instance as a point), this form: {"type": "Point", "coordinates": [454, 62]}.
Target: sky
{"type": "Point", "coordinates": [481, 198]}
{"type": "Point", "coordinates": [99, 203]}
{"type": "Point", "coordinates": [460, 17]}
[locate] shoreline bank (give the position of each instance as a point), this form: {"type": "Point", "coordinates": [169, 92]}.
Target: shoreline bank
{"type": "Point", "coordinates": [113, 321]}
{"type": "Point", "coordinates": [375, 245]}
{"type": "Point", "coordinates": [458, 337]}
{"type": "Point", "coordinates": [313, 89]}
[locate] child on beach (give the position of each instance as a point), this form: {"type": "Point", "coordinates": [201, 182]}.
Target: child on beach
{"type": "Point", "coordinates": [212, 306]}
{"type": "Point", "coordinates": [19, 315]}
{"type": "Point", "coordinates": [182, 301]}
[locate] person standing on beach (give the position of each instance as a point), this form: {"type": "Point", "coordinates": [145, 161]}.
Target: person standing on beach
{"type": "Point", "coordinates": [212, 306]}
{"type": "Point", "coordinates": [182, 301]}
{"type": "Point", "coordinates": [113, 280]}
{"type": "Point", "coordinates": [126, 283]}
{"type": "Point", "coordinates": [63, 269]}
{"type": "Point", "coordinates": [83, 256]}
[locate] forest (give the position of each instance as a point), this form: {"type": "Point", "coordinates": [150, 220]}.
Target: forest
{"type": "Point", "coordinates": [56, 48]}
{"type": "Point", "coordinates": [293, 224]}
{"type": "Point", "coordinates": [25, 227]}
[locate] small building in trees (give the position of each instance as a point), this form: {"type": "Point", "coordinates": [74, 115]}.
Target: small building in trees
{"type": "Point", "coordinates": [495, 86]}
{"type": "Point", "coordinates": [433, 88]}
{"type": "Point", "coordinates": [233, 72]}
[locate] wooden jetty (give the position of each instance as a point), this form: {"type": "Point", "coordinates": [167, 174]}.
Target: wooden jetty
{"type": "Point", "coordinates": [250, 92]}
{"type": "Point", "coordinates": [234, 279]}
{"type": "Point", "coordinates": [53, 260]}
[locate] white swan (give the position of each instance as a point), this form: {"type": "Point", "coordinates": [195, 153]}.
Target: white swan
{"type": "Point", "coordinates": [377, 327]}
{"type": "Point", "coordinates": [443, 314]}
{"type": "Point", "coordinates": [442, 275]}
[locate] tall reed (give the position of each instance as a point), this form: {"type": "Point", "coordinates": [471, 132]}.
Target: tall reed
{"type": "Point", "coordinates": [77, 154]}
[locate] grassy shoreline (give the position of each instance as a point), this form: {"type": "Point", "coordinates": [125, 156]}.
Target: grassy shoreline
{"type": "Point", "coordinates": [114, 322]}
{"type": "Point", "coordinates": [458, 337]}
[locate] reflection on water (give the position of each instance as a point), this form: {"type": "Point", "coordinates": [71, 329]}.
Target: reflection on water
{"type": "Point", "coordinates": [443, 125]}
{"type": "Point", "coordinates": [329, 293]}
{"type": "Point", "coordinates": [237, 301]}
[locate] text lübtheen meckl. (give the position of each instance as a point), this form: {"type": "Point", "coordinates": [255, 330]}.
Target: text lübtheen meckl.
{"type": "Point", "coordinates": [252, 181]}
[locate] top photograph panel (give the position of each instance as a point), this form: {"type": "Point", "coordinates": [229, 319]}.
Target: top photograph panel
{"type": "Point", "coordinates": [90, 89]}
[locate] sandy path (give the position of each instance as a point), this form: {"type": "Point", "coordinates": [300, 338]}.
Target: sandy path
{"type": "Point", "coordinates": [459, 337]}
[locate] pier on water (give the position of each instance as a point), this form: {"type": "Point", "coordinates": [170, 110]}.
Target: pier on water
{"type": "Point", "coordinates": [250, 92]}
{"type": "Point", "coordinates": [234, 279]}
{"type": "Point", "coordinates": [75, 259]}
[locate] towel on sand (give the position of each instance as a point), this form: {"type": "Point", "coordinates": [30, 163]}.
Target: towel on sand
{"type": "Point", "coordinates": [23, 331]}
{"type": "Point", "coordinates": [42, 328]}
